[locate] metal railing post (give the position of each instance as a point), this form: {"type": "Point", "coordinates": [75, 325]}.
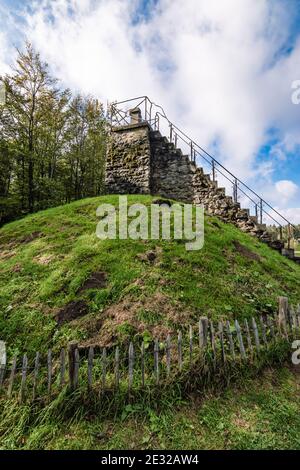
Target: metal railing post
{"type": "Point", "coordinates": [171, 132]}
{"type": "Point", "coordinates": [213, 170]}
{"type": "Point", "coordinates": [235, 191]}
{"type": "Point", "coordinates": [261, 211]}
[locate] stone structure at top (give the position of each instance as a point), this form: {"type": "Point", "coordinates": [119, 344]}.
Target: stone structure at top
{"type": "Point", "coordinates": [142, 161]}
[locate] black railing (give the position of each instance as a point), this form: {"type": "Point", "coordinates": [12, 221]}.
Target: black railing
{"type": "Point", "coordinates": [155, 116]}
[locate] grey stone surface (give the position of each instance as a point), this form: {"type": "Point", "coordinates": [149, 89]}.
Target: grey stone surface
{"type": "Point", "coordinates": [140, 160]}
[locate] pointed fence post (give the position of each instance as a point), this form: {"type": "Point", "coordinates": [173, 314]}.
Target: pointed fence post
{"type": "Point", "coordinates": [213, 342]}
{"type": "Point", "coordinates": [90, 367]}
{"type": "Point", "coordinates": [12, 377]}
{"type": "Point", "coordinates": [23, 378]}
{"type": "Point", "coordinates": [249, 341]}
{"type": "Point", "coordinates": [76, 368]}
{"type": "Point", "coordinates": [221, 334]}
{"type": "Point", "coordinates": [263, 330]}
{"type": "Point", "coordinates": [117, 368]}
{"type": "Point", "coordinates": [49, 368]}
{"type": "Point", "coordinates": [130, 366]}
{"type": "Point", "coordinates": [271, 327]}
{"type": "Point", "coordinates": [179, 349]}
{"type": "Point", "coordinates": [203, 327]}
{"type": "Point", "coordinates": [168, 354]}
{"type": "Point", "coordinates": [191, 343]}
{"type": "Point", "coordinates": [35, 374]}
{"type": "Point", "coordinates": [240, 340]}
{"type": "Point", "coordinates": [283, 315]}
{"type": "Point", "coordinates": [62, 368]}
{"type": "Point", "coordinates": [156, 361]}
{"type": "Point", "coordinates": [256, 335]}
{"type": "Point", "coordinates": [143, 364]}
{"type": "Point", "coordinates": [293, 322]}
{"type": "Point", "coordinates": [71, 356]}
{"type": "Point", "coordinates": [230, 339]}
{"type": "Point", "coordinates": [298, 316]}
{"type": "Point", "coordinates": [104, 365]}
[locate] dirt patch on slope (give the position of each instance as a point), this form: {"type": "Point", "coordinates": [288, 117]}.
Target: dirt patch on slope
{"type": "Point", "coordinates": [157, 314]}
{"type": "Point", "coordinates": [97, 280]}
{"type": "Point", "coordinates": [243, 250]}
{"type": "Point", "coordinates": [75, 309]}
{"type": "Point", "coordinates": [44, 260]}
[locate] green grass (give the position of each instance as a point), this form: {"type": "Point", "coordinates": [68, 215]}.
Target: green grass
{"type": "Point", "coordinates": [39, 276]}
{"type": "Point", "coordinates": [45, 259]}
{"type": "Point", "coordinates": [258, 414]}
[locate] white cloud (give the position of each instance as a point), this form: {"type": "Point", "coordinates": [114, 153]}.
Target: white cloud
{"type": "Point", "coordinates": [212, 64]}
{"type": "Point", "coordinates": [286, 189]}
{"type": "Point", "coordinates": [292, 214]}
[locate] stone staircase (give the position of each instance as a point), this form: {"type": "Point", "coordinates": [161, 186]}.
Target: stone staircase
{"type": "Point", "coordinates": [141, 160]}
{"type": "Point", "coordinates": [193, 184]}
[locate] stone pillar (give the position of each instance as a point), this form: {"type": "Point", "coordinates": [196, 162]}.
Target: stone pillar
{"type": "Point", "coordinates": [135, 116]}
{"type": "Point", "coordinates": [128, 158]}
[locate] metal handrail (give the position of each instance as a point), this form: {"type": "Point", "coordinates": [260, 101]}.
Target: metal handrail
{"type": "Point", "coordinates": [195, 150]}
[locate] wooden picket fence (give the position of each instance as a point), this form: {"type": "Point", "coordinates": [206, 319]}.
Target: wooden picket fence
{"type": "Point", "coordinates": [140, 366]}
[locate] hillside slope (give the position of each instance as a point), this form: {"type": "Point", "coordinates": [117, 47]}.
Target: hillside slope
{"type": "Point", "coordinates": [53, 268]}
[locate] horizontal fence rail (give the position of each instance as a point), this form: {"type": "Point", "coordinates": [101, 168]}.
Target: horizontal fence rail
{"type": "Point", "coordinates": [119, 115]}
{"type": "Point", "coordinates": [137, 366]}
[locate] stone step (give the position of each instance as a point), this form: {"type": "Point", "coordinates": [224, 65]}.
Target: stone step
{"type": "Point", "coordinates": [221, 191]}
{"type": "Point", "coordinates": [254, 219]}
{"type": "Point", "coordinates": [243, 213]}
{"type": "Point", "coordinates": [261, 226]}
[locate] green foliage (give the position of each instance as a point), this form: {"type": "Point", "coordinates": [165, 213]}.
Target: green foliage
{"type": "Point", "coordinates": [52, 145]}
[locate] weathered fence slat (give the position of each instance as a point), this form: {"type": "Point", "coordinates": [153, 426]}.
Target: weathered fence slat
{"type": "Point", "coordinates": [221, 334]}
{"type": "Point", "coordinates": [76, 367]}
{"type": "Point", "coordinates": [143, 364]}
{"type": "Point", "coordinates": [179, 349]}
{"type": "Point", "coordinates": [90, 367]}
{"type": "Point", "coordinates": [191, 342]}
{"type": "Point", "coordinates": [156, 361]}
{"type": "Point", "coordinates": [230, 339]}
{"type": "Point", "coordinates": [203, 327]}
{"type": "Point", "coordinates": [12, 377]}
{"type": "Point", "coordinates": [62, 374]}
{"type": "Point", "coordinates": [117, 367]}
{"type": "Point", "coordinates": [256, 334]}
{"type": "Point", "coordinates": [49, 368]}
{"type": "Point", "coordinates": [263, 330]}
{"type": "Point", "coordinates": [213, 341]}
{"type": "Point", "coordinates": [130, 365]}
{"type": "Point", "coordinates": [283, 315]}
{"type": "Point", "coordinates": [240, 340]}
{"type": "Point", "coordinates": [248, 336]}
{"type": "Point", "coordinates": [293, 321]}
{"type": "Point", "coordinates": [104, 365]}
{"type": "Point", "coordinates": [23, 378]}
{"type": "Point", "coordinates": [270, 326]}
{"type": "Point", "coordinates": [168, 354]}
{"type": "Point", "coordinates": [71, 356]}
{"type": "Point", "coordinates": [2, 374]}
{"type": "Point", "coordinates": [35, 374]}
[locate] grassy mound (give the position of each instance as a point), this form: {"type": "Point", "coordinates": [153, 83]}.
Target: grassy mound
{"type": "Point", "coordinates": [59, 282]}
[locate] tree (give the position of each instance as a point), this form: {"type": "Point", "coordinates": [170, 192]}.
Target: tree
{"type": "Point", "coordinates": [52, 146]}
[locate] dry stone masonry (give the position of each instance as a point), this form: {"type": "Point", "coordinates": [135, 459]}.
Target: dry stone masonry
{"type": "Point", "coordinates": [140, 160]}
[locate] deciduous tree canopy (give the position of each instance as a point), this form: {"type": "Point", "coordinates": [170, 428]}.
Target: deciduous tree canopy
{"type": "Point", "coordinates": [52, 144]}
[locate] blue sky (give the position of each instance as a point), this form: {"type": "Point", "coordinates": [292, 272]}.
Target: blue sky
{"type": "Point", "coordinates": [223, 71]}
